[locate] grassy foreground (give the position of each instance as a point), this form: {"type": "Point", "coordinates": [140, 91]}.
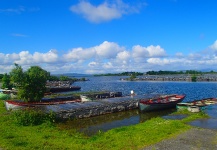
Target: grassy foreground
{"type": "Point", "coordinates": [49, 136]}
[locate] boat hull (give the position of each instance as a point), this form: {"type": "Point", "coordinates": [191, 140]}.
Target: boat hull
{"type": "Point", "coordinates": [145, 106]}
{"type": "Point", "coordinates": [16, 104]}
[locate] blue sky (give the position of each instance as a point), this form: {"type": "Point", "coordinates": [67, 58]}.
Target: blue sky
{"type": "Point", "coordinates": [108, 36]}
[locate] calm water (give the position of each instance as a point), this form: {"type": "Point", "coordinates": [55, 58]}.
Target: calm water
{"type": "Point", "coordinates": [192, 90]}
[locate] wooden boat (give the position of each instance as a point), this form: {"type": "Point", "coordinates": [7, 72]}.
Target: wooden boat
{"type": "Point", "coordinates": [193, 109]}
{"type": "Point", "coordinates": [18, 104]}
{"type": "Point", "coordinates": [197, 103]}
{"type": "Point", "coordinates": [99, 96]}
{"type": "Point", "coordinates": [160, 102]}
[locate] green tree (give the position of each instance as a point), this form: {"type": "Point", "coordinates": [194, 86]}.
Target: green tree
{"type": "Point", "coordinates": [53, 78]}
{"type": "Point", "coordinates": [65, 78]}
{"type": "Point", "coordinates": [6, 82]}
{"type": "Point", "coordinates": [193, 78]}
{"type": "Point", "coordinates": [132, 77]}
{"type": "Point", "coordinates": [31, 84]}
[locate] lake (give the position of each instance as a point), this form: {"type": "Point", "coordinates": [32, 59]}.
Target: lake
{"type": "Point", "coordinates": [89, 126]}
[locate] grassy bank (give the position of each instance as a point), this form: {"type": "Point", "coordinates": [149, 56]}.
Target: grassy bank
{"type": "Point", "coordinates": [50, 136]}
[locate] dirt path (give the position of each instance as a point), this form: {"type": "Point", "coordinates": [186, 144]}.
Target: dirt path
{"type": "Point", "coordinates": [194, 139]}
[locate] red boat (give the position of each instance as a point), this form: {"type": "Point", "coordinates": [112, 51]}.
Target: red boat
{"type": "Point", "coordinates": [160, 102]}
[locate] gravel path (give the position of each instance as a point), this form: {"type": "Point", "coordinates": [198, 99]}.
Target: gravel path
{"type": "Point", "coordinates": [193, 139]}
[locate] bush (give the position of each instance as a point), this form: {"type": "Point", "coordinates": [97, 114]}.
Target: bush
{"type": "Point", "coordinates": [30, 117]}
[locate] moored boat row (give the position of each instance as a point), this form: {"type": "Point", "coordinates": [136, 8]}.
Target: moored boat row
{"type": "Point", "coordinates": [197, 105]}
{"type": "Point", "coordinates": [116, 100]}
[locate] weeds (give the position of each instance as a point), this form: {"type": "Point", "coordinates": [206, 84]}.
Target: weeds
{"type": "Point", "coordinates": [32, 117]}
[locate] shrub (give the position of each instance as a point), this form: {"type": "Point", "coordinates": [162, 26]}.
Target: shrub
{"type": "Point", "coordinates": [31, 117]}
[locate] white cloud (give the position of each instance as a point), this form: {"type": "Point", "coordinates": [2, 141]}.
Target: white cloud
{"type": "Point", "coordinates": [109, 57]}
{"type": "Point", "coordinates": [93, 64]}
{"type": "Point", "coordinates": [125, 55]}
{"type": "Point", "coordinates": [146, 52]}
{"type": "Point", "coordinates": [108, 49]}
{"type": "Point", "coordinates": [105, 11]}
{"type": "Point", "coordinates": [79, 54]}
{"type": "Point", "coordinates": [51, 56]}
{"type": "Point", "coordinates": [158, 61]}
{"type": "Point", "coordinates": [24, 58]}
{"type": "Point", "coordinates": [108, 65]}
{"type": "Point", "coordinates": [214, 46]}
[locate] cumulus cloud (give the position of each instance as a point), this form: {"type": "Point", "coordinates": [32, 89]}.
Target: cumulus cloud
{"type": "Point", "coordinates": [125, 55]}
{"type": "Point", "coordinates": [49, 57]}
{"type": "Point", "coordinates": [106, 50]}
{"type": "Point", "coordinates": [158, 61]}
{"type": "Point", "coordinates": [141, 53]}
{"type": "Point", "coordinates": [109, 57]}
{"type": "Point", "coordinates": [79, 54]}
{"type": "Point", "coordinates": [214, 46]}
{"type": "Point", "coordinates": [105, 11]}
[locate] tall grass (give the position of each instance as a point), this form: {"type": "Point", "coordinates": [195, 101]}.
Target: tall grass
{"type": "Point", "coordinates": [32, 117]}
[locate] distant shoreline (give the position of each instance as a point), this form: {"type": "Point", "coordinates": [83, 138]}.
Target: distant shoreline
{"type": "Point", "coordinates": [198, 78]}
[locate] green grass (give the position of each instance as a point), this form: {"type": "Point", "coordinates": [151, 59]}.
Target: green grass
{"type": "Point", "coordinates": [50, 136]}
{"type": "Point", "coordinates": [191, 116]}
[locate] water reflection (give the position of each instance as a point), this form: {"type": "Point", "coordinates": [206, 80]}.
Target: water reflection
{"type": "Point", "coordinates": [90, 126]}
{"type": "Point", "coordinates": [210, 123]}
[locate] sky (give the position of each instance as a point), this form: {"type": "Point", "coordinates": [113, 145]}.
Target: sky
{"type": "Point", "coordinates": [108, 36]}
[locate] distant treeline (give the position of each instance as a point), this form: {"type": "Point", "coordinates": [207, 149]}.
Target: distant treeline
{"type": "Point", "coordinates": [121, 74]}
{"type": "Point", "coordinates": [192, 72]}
{"type": "Point", "coordinates": [177, 72]}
